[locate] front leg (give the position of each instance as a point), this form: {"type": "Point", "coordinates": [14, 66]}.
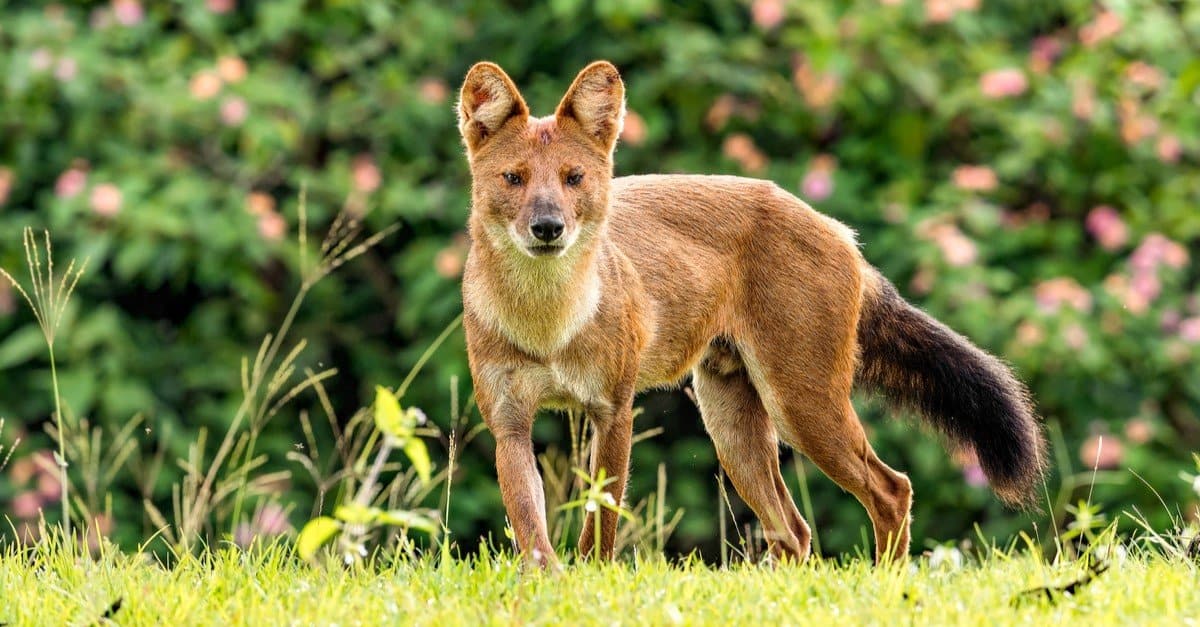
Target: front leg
{"type": "Point", "coordinates": [511, 423]}
{"type": "Point", "coordinates": [610, 452]}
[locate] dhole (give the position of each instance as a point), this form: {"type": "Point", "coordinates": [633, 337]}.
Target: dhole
{"type": "Point", "coordinates": [581, 289]}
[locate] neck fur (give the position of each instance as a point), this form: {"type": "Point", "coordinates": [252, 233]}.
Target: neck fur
{"type": "Point", "coordinates": [538, 303]}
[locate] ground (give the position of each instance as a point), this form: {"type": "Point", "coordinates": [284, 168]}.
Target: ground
{"type": "Point", "coordinates": [272, 587]}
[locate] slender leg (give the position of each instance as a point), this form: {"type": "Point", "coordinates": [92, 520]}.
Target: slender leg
{"type": "Point", "coordinates": [833, 438]}
{"type": "Point", "coordinates": [746, 445]}
{"type": "Point", "coordinates": [610, 452]}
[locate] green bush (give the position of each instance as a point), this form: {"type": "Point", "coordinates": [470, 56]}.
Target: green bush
{"type": "Point", "coordinates": [1025, 171]}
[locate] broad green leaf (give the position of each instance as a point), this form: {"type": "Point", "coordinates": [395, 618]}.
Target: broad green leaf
{"type": "Point", "coordinates": [409, 520]}
{"type": "Point", "coordinates": [356, 514]}
{"type": "Point", "coordinates": [316, 534]}
{"type": "Point", "coordinates": [389, 418]}
{"type": "Point", "coordinates": [21, 346]}
{"type": "Point", "coordinates": [418, 454]}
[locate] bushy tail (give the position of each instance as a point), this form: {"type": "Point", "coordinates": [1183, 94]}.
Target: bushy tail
{"type": "Point", "coordinates": [967, 394]}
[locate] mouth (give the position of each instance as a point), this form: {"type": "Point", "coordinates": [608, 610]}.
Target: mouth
{"type": "Point", "coordinates": [546, 250]}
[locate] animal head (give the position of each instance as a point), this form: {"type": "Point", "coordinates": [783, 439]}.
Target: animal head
{"type": "Point", "coordinates": [540, 185]}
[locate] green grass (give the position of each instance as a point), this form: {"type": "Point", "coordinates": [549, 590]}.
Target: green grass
{"type": "Point", "coordinates": [47, 586]}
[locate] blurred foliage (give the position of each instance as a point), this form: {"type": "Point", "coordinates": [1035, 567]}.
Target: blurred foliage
{"type": "Point", "coordinates": [1025, 171]}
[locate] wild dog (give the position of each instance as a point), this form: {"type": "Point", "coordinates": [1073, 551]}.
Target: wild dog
{"type": "Point", "coordinates": [581, 289]}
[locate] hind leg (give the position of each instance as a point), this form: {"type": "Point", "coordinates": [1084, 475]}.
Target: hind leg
{"type": "Point", "coordinates": [833, 438]}
{"type": "Point", "coordinates": [746, 445]}
{"type": "Point", "coordinates": [812, 413]}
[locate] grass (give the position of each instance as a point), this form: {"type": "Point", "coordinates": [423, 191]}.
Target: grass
{"type": "Point", "coordinates": [46, 585]}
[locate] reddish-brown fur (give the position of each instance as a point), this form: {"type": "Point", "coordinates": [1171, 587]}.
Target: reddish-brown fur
{"type": "Point", "coordinates": [732, 280]}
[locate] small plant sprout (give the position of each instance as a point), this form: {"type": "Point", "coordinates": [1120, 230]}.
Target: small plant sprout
{"type": "Point", "coordinates": [354, 523]}
{"type": "Point", "coordinates": [49, 302]}
{"type": "Point", "coordinates": [1194, 480]}
{"type": "Point", "coordinates": [595, 499]}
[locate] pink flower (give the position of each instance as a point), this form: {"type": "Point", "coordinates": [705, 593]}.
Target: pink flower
{"type": "Point", "coordinates": [220, 6]}
{"type": "Point", "coordinates": [26, 505]}
{"type": "Point", "coordinates": [71, 182]}
{"type": "Point", "coordinates": [940, 11]}
{"type": "Point", "coordinates": [66, 69]}
{"type": "Point", "coordinates": [1106, 225]}
{"type": "Point", "coordinates": [977, 178]}
{"type": "Point", "coordinates": [1103, 452]}
{"type": "Point", "coordinates": [231, 69]}
{"type": "Point", "coordinates": [817, 184]}
{"type": "Point", "coordinates": [1043, 53]}
{"type": "Point", "coordinates": [127, 12]}
{"type": "Point", "coordinates": [1189, 330]}
{"type": "Point", "coordinates": [6, 181]}
{"type": "Point", "coordinates": [1156, 249]}
{"type": "Point", "coordinates": [974, 476]}
{"type": "Point", "coordinates": [1107, 24]}
{"type": "Point", "coordinates": [1144, 287]}
{"type": "Point", "coordinates": [1169, 149]}
{"type": "Point", "coordinates": [271, 226]}
{"type": "Point", "coordinates": [433, 90]}
{"type": "Point", "coordinates": [366, 174]}
{"type": "Point", "coordinates": [1052, 294]}
{"type": "Point", "coordinates": [271, 520]}
{"type": "Point", "coordinates": [767, 14]}
{"type": "Point", "coordinates": [1003, 83]}
{"type": "Point", "coordinates": [106, 200]}
{"type": "Point", "coordinates": [234, 111]}
{"type": "Point", "coordinates": [633, 132]}
{"type": "Point", "coordinates": [204, 85]}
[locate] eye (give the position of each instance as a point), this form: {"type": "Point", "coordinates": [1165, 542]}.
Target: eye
{"type": "Point", "coordinates": [512, 178]}
{"type": "Point", "coordinates": [574, 179]}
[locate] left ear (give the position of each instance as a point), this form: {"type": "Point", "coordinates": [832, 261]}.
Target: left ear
{"type": "Point", "coordinates": [596, 102]}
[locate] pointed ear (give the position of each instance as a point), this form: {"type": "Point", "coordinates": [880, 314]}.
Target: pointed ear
{"type": "Point", "coordinates": [596, 101]}
{"type": "Point", "coordinates": [488, 99]}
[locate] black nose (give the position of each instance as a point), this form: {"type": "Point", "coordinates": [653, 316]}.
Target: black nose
{"type": "Point", "coordinates": [546, 228]}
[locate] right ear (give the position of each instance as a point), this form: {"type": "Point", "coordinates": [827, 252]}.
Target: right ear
{"type": "Point", "coordinates": [488, 99]}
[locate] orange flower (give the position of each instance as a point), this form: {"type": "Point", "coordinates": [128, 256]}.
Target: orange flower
{"type": "Point", "coordinates": [976, 178]}
{"type": "Point", "coordinates": [433, 90]}
{"type": "Point", "coordinates": [633, 132]}
{"type": "Point", "coordinates": [232, 69]}
{"type": "Point", "coordinates": [1106, 25]}
{"type": "Point", "coordinates": [740, 147]}
{"type": "Point", "coordinates": [819, 89]}
{"type": "Point", "coordinates": [106, 200]}
{"type": "Point", "coordinates": [204, 85]}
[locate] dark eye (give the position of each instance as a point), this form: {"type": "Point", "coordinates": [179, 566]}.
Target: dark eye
{"type": "Point", "coordinates": [512, 178]}
{"type": "Point", "coordinates": [574, 178]}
